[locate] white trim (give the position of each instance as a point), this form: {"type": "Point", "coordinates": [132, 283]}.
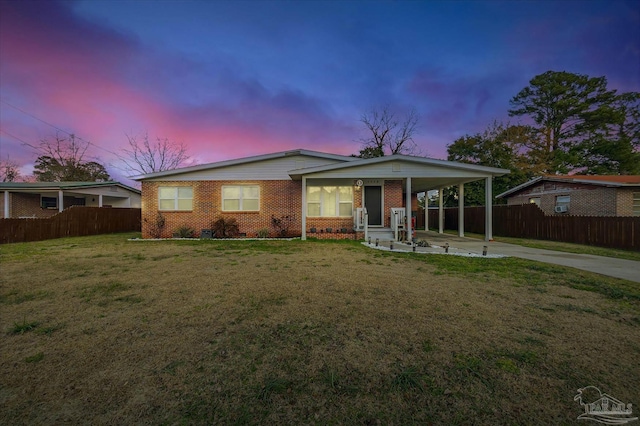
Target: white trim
{"type": "Point", "coordinates": [323, 204]}
{"type": "Point", "coordinates": [440, 210]}
{"type": "Point", "coordinates": [488, 215]}
{"type": "Point", "coordinates": [461, 210]}
{"type": "Point", "coordinates": [60, 200]}
{"type": "Point", "coordinates": [408, 225]}
{"type": "Point", "coordinates": [304, 208]}
{"type": "Point", "coordinates": [381, 186]}
{"type": "Point", "coordinates": [176, 199]}
{"type": "Point", "coordinates": [245, 160]}
{"type": "Point", "coordinates": [6, 204]}
{"type": "Point", "coordinates": [406, 158]}
{"type": "Point", "coordinates": [241, 199]}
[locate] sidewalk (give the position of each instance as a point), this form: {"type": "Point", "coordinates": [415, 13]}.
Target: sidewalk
{"type": "Point", "coordinates": [619, 268]}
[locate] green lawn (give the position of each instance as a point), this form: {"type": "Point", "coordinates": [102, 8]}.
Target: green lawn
{"type": "Point", "coordinates": [101, 330]}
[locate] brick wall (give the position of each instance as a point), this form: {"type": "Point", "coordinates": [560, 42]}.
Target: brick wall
{"type": "Point", "coordinates": [277, 198]}
{"type": "Point", "coordinates": [392, 198]}
{"type": "Point", "coordinates": [586, 200]}
{"type": "Point", "coordinates": [624, 201]}
{"type": "Point", "coordinates": [28, 205]}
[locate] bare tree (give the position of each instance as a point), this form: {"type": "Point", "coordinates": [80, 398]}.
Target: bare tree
{"type": "Point", "coordinates": [388, 134]}
{"type": "Point", "coordinates": [144, 156]}
{"type": "Point", "coordinates": [9, 170]}
{"type": "Point", "coordinates": [69, 150]}
{"type": "Point", "coordinates": [64, 159]}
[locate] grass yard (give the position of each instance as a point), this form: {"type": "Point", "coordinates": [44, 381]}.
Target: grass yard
{"type": "Point", "coordinates": [100, 330]}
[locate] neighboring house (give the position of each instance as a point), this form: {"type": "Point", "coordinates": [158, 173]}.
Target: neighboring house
{"type": "Point", "coordinates": [44, 199]}
{"type": "Point", "coordinates": [580, 195]}
{"type": "Point", "coordinates": [320, 195]}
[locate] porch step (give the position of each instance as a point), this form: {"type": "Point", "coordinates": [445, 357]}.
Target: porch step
{"type": "Point", "coordinates": [384, 234]}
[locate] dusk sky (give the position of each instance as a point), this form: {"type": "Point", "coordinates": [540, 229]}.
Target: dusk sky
{"type": "Point", "coordinates": [240, 78]}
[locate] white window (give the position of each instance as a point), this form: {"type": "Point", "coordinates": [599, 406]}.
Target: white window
{"type": "Point", "coordinates": [244, 198]}
{"type": "Point", "coordinates": [636, 204]}
{"type": "Point", "coordinates": [329, 201]}
{"type": "Point", "coordinates": [175, 198]}
{"type": "Point", "coordinates": [563, 200]}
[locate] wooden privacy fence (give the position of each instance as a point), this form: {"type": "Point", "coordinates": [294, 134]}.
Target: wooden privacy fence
{"type": "Point", "coordinates": [528, 221]}
{"type": "Point", "coordinates": [75, 221]}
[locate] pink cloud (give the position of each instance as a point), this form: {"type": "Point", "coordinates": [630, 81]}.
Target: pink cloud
{"type": "Point", "coordinates": [98, 85]}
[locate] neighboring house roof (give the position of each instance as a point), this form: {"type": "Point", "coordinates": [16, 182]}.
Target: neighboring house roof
{"type": "Point", "coordinates": [246, 160]}
{"type": "Point", "coordinates": [599, 180]}
{"type": "Point", "coordinates": [56, 186]}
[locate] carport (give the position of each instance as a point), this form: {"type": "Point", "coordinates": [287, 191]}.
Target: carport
{"type": "Point", "coordinates": [418, 174]}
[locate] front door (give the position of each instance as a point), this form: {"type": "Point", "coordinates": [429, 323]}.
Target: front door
{"type": "Point", "coordinates": [373, 204]}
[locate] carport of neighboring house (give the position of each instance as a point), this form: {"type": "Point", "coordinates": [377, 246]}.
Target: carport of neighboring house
{"type": "Point", "coordinates": [44, 199]}
{"type": "Point", "coordinates": [418, 174]}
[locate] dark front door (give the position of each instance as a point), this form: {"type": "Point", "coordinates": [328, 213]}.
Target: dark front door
{"type": "Point", "coordinates": [373, 203]}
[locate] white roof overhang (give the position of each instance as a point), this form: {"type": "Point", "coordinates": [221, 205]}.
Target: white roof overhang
{"type": "Point", "coordinates": [425, 173]}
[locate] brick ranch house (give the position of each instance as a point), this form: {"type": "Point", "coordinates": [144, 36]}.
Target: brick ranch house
{"type": "Point", "coordinates": [323, 195]}
{"type": "Point", "coordinates": [45, 199]}
{"type": "Point", "coordinates": [580, 195]}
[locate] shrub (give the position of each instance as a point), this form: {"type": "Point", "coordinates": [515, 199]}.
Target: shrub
{"type": "Point", "coordinates": [281, 224]}
{"type": "Point", "coordinates": [225, 228]}
{"type": "Point", "coordinates": [156, 226]}
{"type": "Point", "coordinates": [263, 233]}
{"type": "Point", "coordinates": [184, 232]}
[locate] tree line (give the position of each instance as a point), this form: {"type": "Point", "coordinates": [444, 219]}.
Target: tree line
{"type": "Point", "coordinates": [569, 124]}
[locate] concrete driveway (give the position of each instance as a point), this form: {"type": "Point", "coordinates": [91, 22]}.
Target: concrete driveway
{"type": "Point", "coordinates": [619, 268]}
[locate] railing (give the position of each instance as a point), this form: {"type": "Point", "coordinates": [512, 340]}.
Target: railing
{"type": "Point", "coordinates": [361, 221]}
{"type": "Point", "coordinates": [398, 221]}
{"type": "Point", "coordinates": [358, 218]}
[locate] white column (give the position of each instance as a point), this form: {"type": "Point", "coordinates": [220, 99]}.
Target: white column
{"type": "Point", "coordinates": [100, 200]}
{"type": "Point", "coordinates": [426, 210]}
{"type": "Point", "coordinates": [408, 197]}
{"type": "Point", "coordinates": [60, 201]}
{"type": "Point", "coordinates": [6, 204]}
{"type": "Point", "coordinates": [440, 210]}
{"type": "Point", "coordinates": [304, 208]}
{"type": "Point", "coordinates": [488, 214]}
{"type": "Point", "coordinates": [461, 210]}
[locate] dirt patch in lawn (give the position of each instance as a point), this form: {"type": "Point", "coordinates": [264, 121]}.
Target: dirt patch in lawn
{"type": "Point", "coordinates": [97, 330]}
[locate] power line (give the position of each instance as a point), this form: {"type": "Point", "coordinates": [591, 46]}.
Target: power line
{"type": "Point", "coordinates": [17, 138]}
{"type": "Point", "coordinates": [51, 125]}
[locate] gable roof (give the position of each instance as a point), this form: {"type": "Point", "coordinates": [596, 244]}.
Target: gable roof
{"type": "Point", "coordinates": [49, 186]}
{"type": "Point", "coordinates": [613, 181]}
{"type": "Point", "coordinates": [246, 160]}
{"type": "Point", "coordinates": [357, 162]}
